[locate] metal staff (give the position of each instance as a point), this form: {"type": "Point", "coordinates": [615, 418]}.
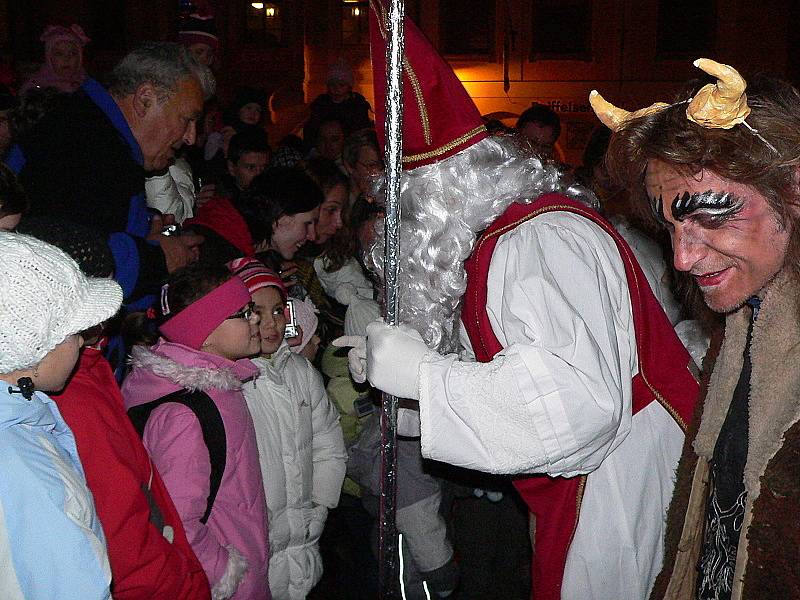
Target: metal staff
{"type": "Point", "coordinates": [388, 553]}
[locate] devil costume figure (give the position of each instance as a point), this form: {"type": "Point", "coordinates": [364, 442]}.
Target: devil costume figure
{"type": "Point", "coordinates": [719, 168]}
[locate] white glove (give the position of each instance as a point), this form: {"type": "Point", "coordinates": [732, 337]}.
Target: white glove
{"type": "Point", "coordinates": [394, 355]}
{"type": "Point", "coordinates": [408, 424]}
{"type": "Point", "coordinates": [356, 356]}
{"type": "Point", "coordinates": [360, 313]}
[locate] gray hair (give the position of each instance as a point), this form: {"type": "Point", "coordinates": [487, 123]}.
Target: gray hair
{"type": "Point", "coordinates": [444, 206]}
{"type": "Point", "coordinates": [161, 64]}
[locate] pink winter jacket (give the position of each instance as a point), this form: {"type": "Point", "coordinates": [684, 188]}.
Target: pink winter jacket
{"type": "Point", "coordinates": [232, 546]}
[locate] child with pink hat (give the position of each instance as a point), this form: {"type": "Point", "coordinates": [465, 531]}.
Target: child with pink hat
{"type": "Point", "coordinates": [184, 396]}
{"type": "Point", "coordinates": [63, 60]}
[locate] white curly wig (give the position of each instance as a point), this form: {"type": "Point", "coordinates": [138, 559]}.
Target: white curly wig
{"type": "Point", "coordinates": [443, 208]}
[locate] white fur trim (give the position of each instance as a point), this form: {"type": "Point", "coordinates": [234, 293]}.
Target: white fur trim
{"type": "Point", "coordinates": [192, 378]}
{"type": "Point", "coordinates": [233, 576]}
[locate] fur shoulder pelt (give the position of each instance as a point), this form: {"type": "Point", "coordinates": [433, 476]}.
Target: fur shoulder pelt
{"type": "Point", "coordinates": [191, 378]}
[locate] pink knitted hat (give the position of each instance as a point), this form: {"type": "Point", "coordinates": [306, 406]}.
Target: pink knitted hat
{"type": "Point", "coordinates": [58, 33]}
{"type": "Point", "coordinates": [47, 76]}
{"type": "Point", "coordinates": [306, 314]}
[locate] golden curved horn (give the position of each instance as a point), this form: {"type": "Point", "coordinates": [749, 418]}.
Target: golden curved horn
{"type": "Point", "coordinates": [614, 117]}
{"type": "Point", "coordinates": [611, 116]}
{"type": "Point", "coordinates": [720, 105]}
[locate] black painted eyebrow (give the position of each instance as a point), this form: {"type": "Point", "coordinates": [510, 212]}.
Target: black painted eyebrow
{"type": "Point", "coordinates": [657, 206]}
{"type": "Point", "coordinates": [716, 205]}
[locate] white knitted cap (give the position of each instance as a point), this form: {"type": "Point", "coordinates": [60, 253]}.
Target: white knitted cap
{"type": "Point", "coordinates": [306, 315]}
{"type": "Point", "coordinates": [44, 297]}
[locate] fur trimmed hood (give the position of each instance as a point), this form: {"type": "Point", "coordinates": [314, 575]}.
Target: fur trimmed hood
{"type": "Point", "coordinates": [236, 557]}
{"type": "Point", "coordinates": [167, 367]}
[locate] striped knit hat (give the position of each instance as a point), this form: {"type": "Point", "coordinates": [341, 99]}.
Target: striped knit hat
{"type": "Point", "coordinates": [199, 29]}
{"type": "Point", "coordinates": [255, 274]}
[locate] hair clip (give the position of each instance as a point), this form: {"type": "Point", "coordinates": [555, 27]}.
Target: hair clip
{"type": "Point", "coordinates": [26, 388]}
{"type": "Point", "coordinates": [164, 299]}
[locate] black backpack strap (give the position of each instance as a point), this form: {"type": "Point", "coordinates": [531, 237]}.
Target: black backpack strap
{"type": "Point", "coordinates": [211, 425]}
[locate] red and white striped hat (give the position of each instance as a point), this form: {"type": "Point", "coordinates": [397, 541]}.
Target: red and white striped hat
{"type": "Point", "coordinates": [255, 274]}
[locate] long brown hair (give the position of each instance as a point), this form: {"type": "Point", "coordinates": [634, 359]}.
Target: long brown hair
{"type": "Point", "coordinates": [341, 246]}
{"type": "Point", "coordinates": [735, 154]}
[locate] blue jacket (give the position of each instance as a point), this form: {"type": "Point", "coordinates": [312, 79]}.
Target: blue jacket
{"type": "Point", "coordinates": [51, 542]}
{"type": "Point", "coordinates": [82, 163]}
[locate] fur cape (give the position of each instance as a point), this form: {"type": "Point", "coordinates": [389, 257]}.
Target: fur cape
{"type": "Point", "coordinates": [766, 562]}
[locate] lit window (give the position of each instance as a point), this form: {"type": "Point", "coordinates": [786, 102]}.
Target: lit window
{"type": "Point", "coordinates": [355, 22]}
{"type": "Point", "coordinates": [263, 22]}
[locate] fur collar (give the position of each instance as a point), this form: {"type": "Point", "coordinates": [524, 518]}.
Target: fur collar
{"type": "Point", "coordinates": [775, 380]}
{"type": "Point", "coordinates": [190, 377]}
{"type": "Point", "coordinates": [774, 400]}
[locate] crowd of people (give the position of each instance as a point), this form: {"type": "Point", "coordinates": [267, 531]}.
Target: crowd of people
{"type": "Point", "coordinates": [192, 350]}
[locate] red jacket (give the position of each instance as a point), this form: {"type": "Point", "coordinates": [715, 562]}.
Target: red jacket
{"type": "Point", "coordinates": [144, 563]}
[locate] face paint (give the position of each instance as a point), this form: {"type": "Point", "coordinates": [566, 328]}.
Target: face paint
{"type": "Point", "coordinates": [715, 207]}
{"type": "Point", "coordinates": [657, 206]}
{"type": "Point", "coordinates": [730, 242]}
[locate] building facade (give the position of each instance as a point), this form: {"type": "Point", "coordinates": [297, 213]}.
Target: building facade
{"type": "Point", "coordinates": [508, 53]}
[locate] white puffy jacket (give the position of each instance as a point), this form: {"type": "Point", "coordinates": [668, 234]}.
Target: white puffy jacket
{"type": "Point", "coordinates": [345, 283]}
{"type": "Point", "coordinates": [303, 458]}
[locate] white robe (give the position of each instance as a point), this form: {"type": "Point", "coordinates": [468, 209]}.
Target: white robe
{"type": "Point", "coordinates": [557, 400]}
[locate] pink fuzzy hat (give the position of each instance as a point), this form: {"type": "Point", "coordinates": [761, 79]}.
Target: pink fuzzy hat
{"type": "Point", "coordinates": [306, 315]}
{"type": "Point", "coordinates": [58, 33]}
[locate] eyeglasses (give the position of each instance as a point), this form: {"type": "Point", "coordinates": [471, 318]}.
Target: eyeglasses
{"type": "Point", "coordinates": [246, 313]}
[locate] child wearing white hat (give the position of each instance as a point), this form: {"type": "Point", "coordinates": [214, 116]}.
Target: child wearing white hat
{"type": "Point", "coordinates": [51, 542]}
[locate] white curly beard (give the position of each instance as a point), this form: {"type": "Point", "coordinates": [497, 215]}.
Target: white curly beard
{"type": "Point", "coordinates": [443, 207]}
